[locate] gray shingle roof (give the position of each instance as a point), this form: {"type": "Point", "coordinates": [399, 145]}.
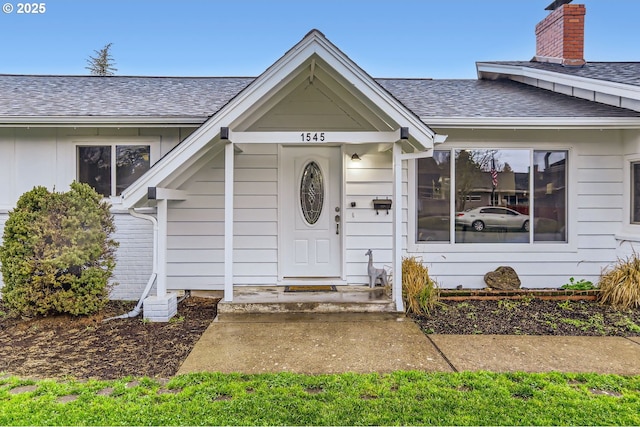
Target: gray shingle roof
{"type": "Point", "coordinates": [492, 98]}
{"type": "Point", "coordinates": [618, 72]}
{"type": "Point", "coordinates": [200, 97]}
{"type": "Point", "coordinates": [116, 96]}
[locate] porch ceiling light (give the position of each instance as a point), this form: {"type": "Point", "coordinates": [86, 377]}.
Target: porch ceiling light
{"type": "Point", "coordinates": [355, 157]}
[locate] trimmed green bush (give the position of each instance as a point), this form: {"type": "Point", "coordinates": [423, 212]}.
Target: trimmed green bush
{"type": "Point", "coordinates": [57, 255]}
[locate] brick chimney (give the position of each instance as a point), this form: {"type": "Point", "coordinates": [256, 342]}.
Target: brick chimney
{"type": "Point", "coordinates": [560, 36]}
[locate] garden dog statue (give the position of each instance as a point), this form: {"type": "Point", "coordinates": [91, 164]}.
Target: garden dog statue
{"type": "Point", "coordinates": [375, 274]}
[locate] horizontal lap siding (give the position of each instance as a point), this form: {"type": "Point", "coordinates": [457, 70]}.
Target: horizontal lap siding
{"type": "Point", "coordinates": [256, 216]}
{"type": "Point", "coordinates": [370, 178]}
{"type": "Point", "coordinates": [596, 214]}
{"type": "Point", "coordinates": [196, 226]}
{"type": "Point", "coordinates": [600, 208]}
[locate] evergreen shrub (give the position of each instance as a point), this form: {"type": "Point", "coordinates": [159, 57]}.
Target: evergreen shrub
{"type": "Point", "coordinates": [57, 255]}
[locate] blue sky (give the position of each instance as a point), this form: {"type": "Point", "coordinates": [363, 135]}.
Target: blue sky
{"type": "Point", "coordinates": [392, 38]}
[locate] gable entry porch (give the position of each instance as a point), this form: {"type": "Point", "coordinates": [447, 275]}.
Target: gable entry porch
{"type": "Point", "coordinates": [324, 224]}
{"type": "Point", "coordinates": [265, 193]}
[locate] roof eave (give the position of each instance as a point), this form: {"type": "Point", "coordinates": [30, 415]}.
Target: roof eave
{"type": "Point", "coordinates": [534, 122]}
{"type": "Point", "coordinates": [492, 70]}
{"type": "Point", "coordinates": [102, 121]}
{"type": "Point", "coordinates": [422, 136]}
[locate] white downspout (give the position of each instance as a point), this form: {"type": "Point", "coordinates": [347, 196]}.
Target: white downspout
{"type": "Point", "coordinates": [154, 269]}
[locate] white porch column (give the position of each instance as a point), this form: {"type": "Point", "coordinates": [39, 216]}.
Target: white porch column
{"type": "Point", "coordinates": [397, 226]}
{"type": "Point", "coordinates": [228, 221]}
{"type": "Point", "coordinates": [161, 284]}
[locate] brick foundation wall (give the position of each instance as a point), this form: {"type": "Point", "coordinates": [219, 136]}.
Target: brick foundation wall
{"type": "Point", "coordinates": [560, 36]}
{"type": "Point", "coordinates": [134, 258]}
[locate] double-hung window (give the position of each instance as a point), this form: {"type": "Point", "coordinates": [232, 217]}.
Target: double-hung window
{"type": "Point", "coordinates": [493, 196]}
{"type": "Point", "coordinates": [109, 169]}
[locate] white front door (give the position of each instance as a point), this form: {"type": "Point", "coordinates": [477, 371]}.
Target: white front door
{"type": "Point", "coordinates": [311, 212]}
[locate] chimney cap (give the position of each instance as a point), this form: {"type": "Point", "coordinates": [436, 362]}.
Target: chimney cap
{"type": "Point", "coordinates": [556, 4]}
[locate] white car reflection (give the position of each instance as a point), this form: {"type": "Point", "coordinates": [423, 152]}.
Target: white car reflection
{"type": "Point", "coordinates": [487, 217]}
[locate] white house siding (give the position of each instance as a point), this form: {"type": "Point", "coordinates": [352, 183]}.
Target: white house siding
{"type": "Point", "coordinates": [628, 238]}
{"type": "Point", "coordinates": [196, 226]}
{"type": "Point", "coordinates": [595, 209]}
{"type": "Point", "coordinates": [195, 229]}
{"type": "Point", "coordinates": [366, 180]}
{"type": "Point", "coordinates": [46, 156]}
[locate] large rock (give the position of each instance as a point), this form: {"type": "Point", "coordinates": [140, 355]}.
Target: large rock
{"type": "Point", "coordinates": [502, 278]}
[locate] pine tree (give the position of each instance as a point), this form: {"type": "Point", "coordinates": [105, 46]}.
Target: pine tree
{"type": "Point", "coordinates": [102, 64]}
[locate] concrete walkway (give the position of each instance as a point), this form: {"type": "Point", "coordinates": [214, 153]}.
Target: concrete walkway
{"type": "Point", "coordinates": [384, 342]}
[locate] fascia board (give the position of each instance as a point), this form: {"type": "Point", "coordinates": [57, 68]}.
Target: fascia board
{"type": "Point", "coordinates": [90, 121]}
{"type": "Point", "coordinates": [261, 87]}
{"type": "Point", "coordinates": [189, 148]}
{"type": "Point", "coordinates": [602, 86]}
{"type": "Point", "coordinates": [242, 102]}
{"type": "Point", "coordinates": [371, 89]}
{"type": "Point", "coordinates": [535, 122]}
{"type": "Point", "coordinates": [316, 44]}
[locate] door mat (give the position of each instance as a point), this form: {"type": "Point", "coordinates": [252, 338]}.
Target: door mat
{"type": "Point", "coordinates": [310, 288]}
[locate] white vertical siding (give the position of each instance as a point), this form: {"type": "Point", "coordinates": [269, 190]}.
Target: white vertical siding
{"type": "Point", "coordinates": [46, 156]}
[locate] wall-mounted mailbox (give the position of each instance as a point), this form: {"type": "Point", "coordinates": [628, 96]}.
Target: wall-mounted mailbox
{"type": "Point", "coordinates": [382, 205]}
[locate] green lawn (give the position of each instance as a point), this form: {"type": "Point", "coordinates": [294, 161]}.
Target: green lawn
{"type": "Point", "coordinates": [402, 398]}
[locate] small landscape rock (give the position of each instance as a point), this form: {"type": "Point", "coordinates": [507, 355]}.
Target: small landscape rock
{"type": "Point", "coordinates": [503, 278]}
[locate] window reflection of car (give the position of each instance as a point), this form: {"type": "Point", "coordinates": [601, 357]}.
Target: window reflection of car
{"type": "Point", "coordinates": [487, 217]}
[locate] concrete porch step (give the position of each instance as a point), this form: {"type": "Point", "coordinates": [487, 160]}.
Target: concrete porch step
{"type": "Point", "coordinates": [274, 299]}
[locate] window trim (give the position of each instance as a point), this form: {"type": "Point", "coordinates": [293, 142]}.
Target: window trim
{"type": "Point", "coordinates": [152, 142]}
{"type": "Point", "coordinates": [629, 214]}
{"type": "Point", "coordinates": [413, 246]}
{"type": "Point", "coordinates": [629, 231]}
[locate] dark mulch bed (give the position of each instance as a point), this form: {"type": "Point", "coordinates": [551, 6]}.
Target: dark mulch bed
{"type": "Point", "coordinates": [530, 317]}
{"type": "Point", "coordinates": [82, 348]}
{"type": "Point", "coordinates": [85, 347]}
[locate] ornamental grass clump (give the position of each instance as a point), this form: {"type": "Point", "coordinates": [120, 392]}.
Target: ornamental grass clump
{"type": "Point", "coordinates": [57, 256]}
{"type": "Point", "coordinates": [420, 293]}
{"type": "Point", "coordinates": [620, 284]}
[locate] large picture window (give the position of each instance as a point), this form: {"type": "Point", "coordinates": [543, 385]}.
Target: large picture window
{"type": "Point", "coordinates": [109, 169]}
{"type": "Point", "coordinates": [635, 193]}
{"type": "Point", "coordinates": [495, 196]}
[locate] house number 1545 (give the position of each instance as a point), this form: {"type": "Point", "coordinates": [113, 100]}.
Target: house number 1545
{"type": "Point", "coordinates": [312, 136]}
